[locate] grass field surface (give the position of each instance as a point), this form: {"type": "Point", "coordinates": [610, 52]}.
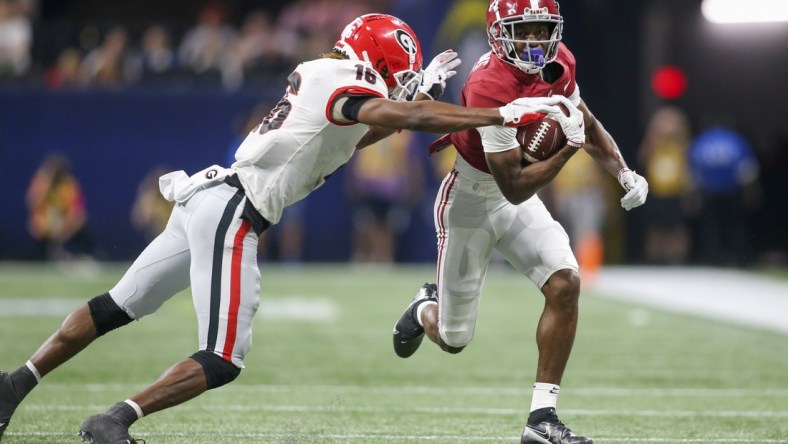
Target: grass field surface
{"type": "Point", "coordinates": [322, 368]}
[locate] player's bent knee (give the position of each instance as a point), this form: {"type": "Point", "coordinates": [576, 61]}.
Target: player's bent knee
{"type": "Point", "coordinates": [106, 314]}
{"type": "Point", "coordinates": [573, 281]}
{"type": "Point", "coordinates": [564, 284]}
{"type": "Point", "coordinates": [218, 372]}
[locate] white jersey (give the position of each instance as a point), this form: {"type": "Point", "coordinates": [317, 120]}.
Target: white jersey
{"type": "Point", "coordinates": [300, 143]}
{"type": "Point", "coordinates": [211, 241]}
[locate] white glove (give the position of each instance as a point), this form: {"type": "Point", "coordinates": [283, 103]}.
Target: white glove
{"type": "Point", "coordinates": [636, 187]}
{"type": "Point", "coordinates": [525, 109]}
{"type": "Point", "coordinates": [572, 125]}
{"type": "Point", "coordinates": [441, 68]}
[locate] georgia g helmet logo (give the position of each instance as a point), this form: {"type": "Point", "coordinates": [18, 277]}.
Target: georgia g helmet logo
{"type": "Point", "coordinates": [406, 41]}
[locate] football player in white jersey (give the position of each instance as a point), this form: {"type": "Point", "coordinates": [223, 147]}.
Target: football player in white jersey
{"type": "Point", "coordinates": [341, 102]}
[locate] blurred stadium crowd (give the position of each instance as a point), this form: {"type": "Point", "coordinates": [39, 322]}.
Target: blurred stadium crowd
{"type": "Point", "coordinates": [65, 44]}
{"type": "Point", "coordinates": [89, 49]}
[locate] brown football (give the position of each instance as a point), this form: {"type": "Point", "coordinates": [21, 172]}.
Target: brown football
{"type": "Point", "coordinates": [540, 139]}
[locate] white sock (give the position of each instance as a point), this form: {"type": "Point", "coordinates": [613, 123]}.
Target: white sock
{"type": "Point", "coordinates": [545, 395]}
{"type": "Point", "coordinates": [33, 370]}
{"type": "Point", "coordinates": [420, 308]}
{"type": "Point", "coordinates": [135, 406]}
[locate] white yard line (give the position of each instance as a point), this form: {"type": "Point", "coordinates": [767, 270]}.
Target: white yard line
{"type": "Point", "coordinates": [296, 308]}
{"type": "Point", "coordinates": [352, 437]}
{"type": "Point", "coordinates": [344, 408]}
{"type": "Point", "coordinates": [369, 390]}
{"type": "Point", "coordinates": [38, 307]}
{"type": "Point", "coordinates": [727, 295]}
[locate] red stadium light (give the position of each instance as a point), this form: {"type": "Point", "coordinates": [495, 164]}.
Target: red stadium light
{"type": "Point", "coordinates": [669, 82]}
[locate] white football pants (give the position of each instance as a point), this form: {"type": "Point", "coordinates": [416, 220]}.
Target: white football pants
{"type": "Point", "coordinates": [207, 244]}
{"type": "Point", "coordinates": [472, 218]}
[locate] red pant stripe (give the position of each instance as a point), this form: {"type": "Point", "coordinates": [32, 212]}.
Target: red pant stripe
{"type": "Point", "coordinates": [448, 184]}
{"type": "Point", "coordinates": [235, 289]}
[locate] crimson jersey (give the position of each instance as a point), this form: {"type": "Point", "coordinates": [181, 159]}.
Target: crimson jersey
{"type": "Point", "coordinates": [494, 83]}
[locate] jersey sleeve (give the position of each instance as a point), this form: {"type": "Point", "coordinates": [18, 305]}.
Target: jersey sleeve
{"type": "Point", "coordinates": [571, 90]}
{"type": "Point", "coordinates": [355, 80]}
{"type": "Point", "coordinates": [352, 105]}
{"type": "Point", "coordinates": [498, 138]}
{"type": "Point", "coordinates": [575, 96]}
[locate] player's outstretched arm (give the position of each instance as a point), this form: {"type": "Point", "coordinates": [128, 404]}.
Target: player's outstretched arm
{"type": "Point", "coordinates": [377, 133]}
{"type": "Point", "coordinates": [427, 116]}
{"type": "Point", "coordinates": [432, 86]}
{"type": "Point", "coordinates": [439, 117]}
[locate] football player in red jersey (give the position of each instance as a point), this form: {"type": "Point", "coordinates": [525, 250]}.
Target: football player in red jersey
{"type": "Point", "coordinates": [341, 102]}
{"type": "Point", "coordinates": [488, 201]}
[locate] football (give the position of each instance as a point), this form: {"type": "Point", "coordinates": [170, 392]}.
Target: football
{"type": "Point", "coordinates": [540, 139]}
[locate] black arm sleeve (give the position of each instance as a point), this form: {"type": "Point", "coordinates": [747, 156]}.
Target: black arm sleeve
{"type": "Point", "coordinates": [352, 105]}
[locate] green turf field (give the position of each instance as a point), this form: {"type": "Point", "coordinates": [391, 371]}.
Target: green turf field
{"type": "Point", "coordinates": [322, 369]}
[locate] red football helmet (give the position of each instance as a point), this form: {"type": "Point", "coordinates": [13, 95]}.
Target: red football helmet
{"type": "Point", "coordinates": [503, 16]}
{"type": "Point", "coordinates": [390, 46]}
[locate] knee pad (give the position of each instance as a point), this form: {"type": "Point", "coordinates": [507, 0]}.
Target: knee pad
{"type": "Point", "coordinates": [218, 372]}
{"type": "Point", "coordinates": [453, 350]}
{"type": "Point", "coordinates": [107, 316]}
{"type": "Point", "coordinates": [454, 342]}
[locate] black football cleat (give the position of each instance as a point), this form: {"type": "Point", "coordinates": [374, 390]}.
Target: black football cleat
{"type": "Point", "coordinates": [408, 334]}
{"type": "Point", "coordinates": [104, 429]}
{"type": "Point", "coordinates": [548, 429]}
{"type": "Point", "coordinates": [8, 401]}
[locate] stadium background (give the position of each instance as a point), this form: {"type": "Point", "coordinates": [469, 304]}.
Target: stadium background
{"type": "Point", "coordinates": [114, 137]}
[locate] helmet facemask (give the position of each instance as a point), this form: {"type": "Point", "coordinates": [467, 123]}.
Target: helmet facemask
{"type": "Point", "coordinates": [536, 53]}
{"type": "Point", "coordinates": [408, 82]}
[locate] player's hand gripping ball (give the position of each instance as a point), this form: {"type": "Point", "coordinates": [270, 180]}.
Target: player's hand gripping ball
{"type": "Point", "coordinates": [541, 139]}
